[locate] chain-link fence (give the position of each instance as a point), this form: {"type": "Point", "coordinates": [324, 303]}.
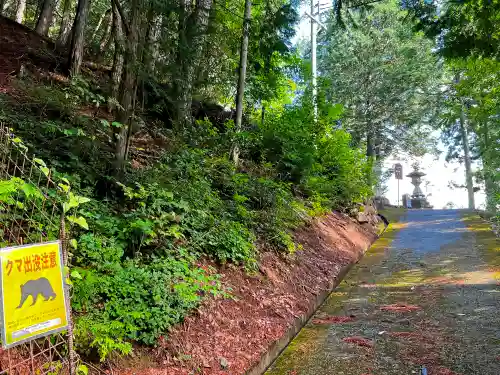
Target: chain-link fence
{"type": "Point", "coordinates": [31, 212]}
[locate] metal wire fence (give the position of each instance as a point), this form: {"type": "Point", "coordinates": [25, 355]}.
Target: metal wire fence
{"type": "Point", "coordinates": [31, 212]}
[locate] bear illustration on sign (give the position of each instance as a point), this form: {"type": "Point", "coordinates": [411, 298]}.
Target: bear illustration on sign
{"type": "Point", "coordinates": [34, 288]}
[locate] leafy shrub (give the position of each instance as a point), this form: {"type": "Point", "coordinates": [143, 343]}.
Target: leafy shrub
{"type": "Point", "coordinates": [135, 250]}
{"type": "Point", "coordinates": [136, 301]}
{"type": "Point", "coordinates": [229, 241]}
{"type": "Point", "coordinates": [341, 174]}
{"type": "Point", "coordinates": [98, 251]}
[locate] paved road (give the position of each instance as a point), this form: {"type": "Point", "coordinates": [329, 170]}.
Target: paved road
{"type": "Point", "coordinates": [430, 298]}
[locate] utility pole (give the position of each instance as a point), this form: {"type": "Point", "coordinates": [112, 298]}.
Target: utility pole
{"type": "Point", "coordinates": [315, 21]}
{"type": "Point", "coordinates": [314, 30]}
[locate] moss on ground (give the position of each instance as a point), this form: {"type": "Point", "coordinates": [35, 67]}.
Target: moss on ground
{"type": "Point", "coordinates": [425, 296]}
{"type": "Point", "coordinates": [488, 243]}
{"type": "Point", "coordinates": [310, 339]}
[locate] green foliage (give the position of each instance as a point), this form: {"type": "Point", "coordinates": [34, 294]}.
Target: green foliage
{"type": "Point", "coordinates": [14, 190]}
{"type": "Point", "coordinates": [473, 93]}
{"type": "Point", "coordinates": [270, 52]}
{"type": "Point", "coordinates": [139, 239]}
{"type": "Point", "coordinates": [230, 241]}
{"type": "Point", "coordinates": [134, 301]}
{"type": "Point", "coordinates": [466, 28]}
{"type": "Point", "coordinates": [19, 201]}
{"type": "Point", "coordinates": [69, 139]}
{"type": "Point", "coordinates": [386, 76]}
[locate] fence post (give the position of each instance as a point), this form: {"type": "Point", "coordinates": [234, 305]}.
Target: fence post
{"type": "Point", "coordinates": [67, 286]}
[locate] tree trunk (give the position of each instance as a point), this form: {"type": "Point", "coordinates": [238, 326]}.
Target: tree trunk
{"type": "Point", "coordinates": [77, 39]}
{"type": "Point", "coordinates": [127, 88]}
{"type": "Point", "coordinates": [21, 6]}
{"type": "Point", "coordinates": [468, 166]}
{"type": "Point", "coordinates": [489, 179]}
{"type": "Point", "coordinates": [116, 72]}
{"type": "Point", "coordinates": [242, 77]}
{"type": "Point", "coordinates": [105, 16]}
{"type": "Point", "coordinates": [153, 41]}
{"type": "Point", "coordinates": [370, 146]}
{"type": "Point", "coordinates": [192, 29]}
{"type": "Point", "coordinates": [182, 89]}
{"type": "Point", "coordinates": [267, 69]}
{"type": "Point", "coordinates": [489, 187]}
{"type": "Point", "coordinates": [45, 18]}
{"type": "Point", "coordinates": [65, 29]}
{"type": "Point", "coordinates": [370, 155]}
{"type": "Point", "coordinates": [105, 40]}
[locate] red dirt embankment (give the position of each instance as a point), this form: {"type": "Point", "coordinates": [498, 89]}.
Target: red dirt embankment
{"type": "Point", "coordinates": [229, 336]}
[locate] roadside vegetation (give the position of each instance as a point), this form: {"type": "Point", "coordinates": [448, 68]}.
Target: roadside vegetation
{"type": "Point", "coordinates": [131, 113]}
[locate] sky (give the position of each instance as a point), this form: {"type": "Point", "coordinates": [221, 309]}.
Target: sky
{"type": "Point", "coordinates": [439, 172]}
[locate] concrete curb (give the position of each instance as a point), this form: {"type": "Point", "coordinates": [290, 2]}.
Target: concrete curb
{"type": "Point", "coordinates": [278, 346]}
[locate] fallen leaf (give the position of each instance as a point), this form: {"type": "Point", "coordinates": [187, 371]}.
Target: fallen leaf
{"type": "Point", "coordinates": [360, 341]}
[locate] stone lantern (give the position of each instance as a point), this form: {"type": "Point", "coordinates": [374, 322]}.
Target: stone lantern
{"type": "Point", "coordinates": [418, 199]}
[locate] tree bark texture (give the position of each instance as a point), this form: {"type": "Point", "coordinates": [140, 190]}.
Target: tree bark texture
{"type": "Point", "coordinates": [370, 146]}
{"type": "Point", "coordinates": [153, 41]}
{"type": "Point", "coordinates": [45, 17]}
{"type": "Point", "coordinates": [119, 39]}
{"type": "Point", "coordinates": [467, 159]}
{"type": "Point", "coordinates": [65, 28]}
{"type": "Point", "coordinates": [105, 39]}
{"type": "Point", "coordinates": [242, 76]}
{"type": "Point", "coordinates": [127, 88]}
{"type": "Point", "coordinates": [21, 6]}
{"type": "Point", "coordinates": [77, 39]}
{"type": "Point", "coordinates": [106, 16]}
{"type": "Point", "coordinates": [192, 30]}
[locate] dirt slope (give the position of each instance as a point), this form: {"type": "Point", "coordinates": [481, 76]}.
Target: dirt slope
{"type": "Point", "coordinates": [234, 333]}
{"type": "Point", "coordinates": [21, 46]}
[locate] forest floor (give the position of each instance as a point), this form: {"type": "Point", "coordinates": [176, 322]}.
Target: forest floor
{"type": "Point", "coordinates": [20, 46]}
{"type": "Point", "coordinates": [425, 296]}
{"type": "Point", "coordinates": [229, 335]}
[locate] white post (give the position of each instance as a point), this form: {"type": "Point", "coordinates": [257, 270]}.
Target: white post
{"type": "Point", "coordinates": [398, 192]}
{"type": "Point", "coordinates": [313, 60]}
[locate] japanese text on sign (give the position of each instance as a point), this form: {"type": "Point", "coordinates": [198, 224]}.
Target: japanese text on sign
{"type": "Point", "coordinates": [32, 263]}
{"type": "Point", "coordinates": [32, 292]}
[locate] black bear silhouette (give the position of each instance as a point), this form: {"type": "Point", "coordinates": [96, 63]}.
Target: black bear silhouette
{"type": "Point", "coordinates": [34, 288]}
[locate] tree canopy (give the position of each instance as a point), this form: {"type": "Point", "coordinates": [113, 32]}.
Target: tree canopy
{"type": "Point", "coordinates": [385, 75]}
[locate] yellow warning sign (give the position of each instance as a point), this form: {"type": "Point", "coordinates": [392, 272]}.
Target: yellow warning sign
{"type": "Point", "coordinates": [32, 292]}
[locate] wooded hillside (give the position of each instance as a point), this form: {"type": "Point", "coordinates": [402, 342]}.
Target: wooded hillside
{"type": "Point", "coordinates": [189, 130]}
